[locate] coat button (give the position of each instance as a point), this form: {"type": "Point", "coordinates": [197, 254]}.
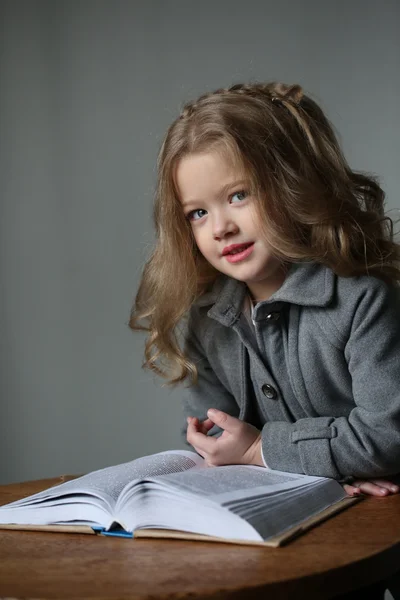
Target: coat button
{"type": "Point", "coordinates": [274, 316]}
{"type": "Point", "coordinates": [269, 391]}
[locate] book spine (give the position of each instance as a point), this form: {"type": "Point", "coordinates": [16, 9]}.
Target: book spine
{"type": "Point", "coordinates": [119, 533]}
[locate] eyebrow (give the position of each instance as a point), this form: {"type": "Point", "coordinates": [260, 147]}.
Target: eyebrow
{"type": "Point", "coordinates": [225, 188]}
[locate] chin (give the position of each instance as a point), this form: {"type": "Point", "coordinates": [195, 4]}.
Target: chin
{"type": "Point", "coordinates": [244, 278]}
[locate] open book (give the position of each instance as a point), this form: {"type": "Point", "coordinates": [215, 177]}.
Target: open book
{"type": "Point", "coordinates": [175, 494]}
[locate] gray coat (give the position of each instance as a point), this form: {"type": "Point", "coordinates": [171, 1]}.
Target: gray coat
{"type": "Point", "coordinates": [320, 375]}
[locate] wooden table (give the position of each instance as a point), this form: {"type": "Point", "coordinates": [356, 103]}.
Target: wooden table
{"type": "Point", "coordinates": [356, 547]}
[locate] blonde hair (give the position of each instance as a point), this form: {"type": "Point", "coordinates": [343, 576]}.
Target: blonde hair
{"type": "Point", "coordinates": [311, 205]}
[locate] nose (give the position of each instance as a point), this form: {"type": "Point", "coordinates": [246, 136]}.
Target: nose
{"type": "Point", "coordinates": [223, 226]}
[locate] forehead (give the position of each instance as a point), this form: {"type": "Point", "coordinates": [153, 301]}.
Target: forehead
{"type": "Point", "coordinates": [205, 172]}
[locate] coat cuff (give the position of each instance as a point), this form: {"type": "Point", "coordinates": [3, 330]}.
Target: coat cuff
{"type": "Point", "coordinates": [263, 459]}
{"type": "Point", "coordinates": [301, 447]}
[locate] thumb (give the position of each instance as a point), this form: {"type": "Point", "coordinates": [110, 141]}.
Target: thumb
{"type": "Point", "coordinates": [223, 420]}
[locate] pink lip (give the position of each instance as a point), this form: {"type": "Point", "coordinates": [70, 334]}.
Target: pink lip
{"type": "Point", "coordinates": [238, 256]}
{"type": "Point", "coordinates": [229, 249]}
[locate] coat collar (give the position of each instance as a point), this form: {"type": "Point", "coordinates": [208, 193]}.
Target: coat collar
{"type": "Point", "coordinates": [306, 284]}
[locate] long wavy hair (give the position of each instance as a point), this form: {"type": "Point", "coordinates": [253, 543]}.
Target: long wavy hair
{"type": "Point", "coordinates": [311, 205]}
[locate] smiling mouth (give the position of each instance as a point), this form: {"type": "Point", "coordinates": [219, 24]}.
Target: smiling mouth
{"type": "Point", "coordinates": [239, 253]}
{"type": "Point", "coordinates": [237, 249]}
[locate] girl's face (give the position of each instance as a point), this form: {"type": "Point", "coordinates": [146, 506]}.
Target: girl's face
{"type": "Point", "coordinates": [216, 202]}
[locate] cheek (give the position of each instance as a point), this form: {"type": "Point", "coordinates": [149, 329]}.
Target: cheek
{"type": "Point", "coordinates": [200, 238]}
{"type": "Point", "coordinates": [253, 220]}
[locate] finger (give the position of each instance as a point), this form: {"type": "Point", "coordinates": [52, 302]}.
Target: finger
{"type": "Point", "coordinates": [198, 439]}
{"type": "Point", "coordinates": [200, 452]}
{"type": "Point", "coordinates": [192, 427]}
{"type": "Point", "coordinates": [389, 485]}
{"type": "Point", "coordinates": [351, 490]}
{"type": "Point", "coordinates": [206, 425]}
{"type": "Point", "coordinates": [202, 426]}
{"type": "Point", "coordinates": [223, 420]}
{"type": "Point", "coordinates": [367, 487]}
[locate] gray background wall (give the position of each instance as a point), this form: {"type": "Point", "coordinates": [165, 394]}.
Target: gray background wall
{"type": "Point", "coordinates": [87, 90]}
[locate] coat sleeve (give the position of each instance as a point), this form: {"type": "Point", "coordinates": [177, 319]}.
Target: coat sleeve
{"type": "Point", "coordinates": [208, 392]}
{"type": "Point", "coordinates": [366, 443]}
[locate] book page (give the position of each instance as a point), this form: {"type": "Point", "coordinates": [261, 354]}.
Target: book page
{"type": "Point", "coordinates": [259, 503]}
{"type": "Point", "coordinates": [274, 518]}
{"type": "Point", "coordinates": [108, 483]}
{"type": "Point", "coordinates": [228, 483]}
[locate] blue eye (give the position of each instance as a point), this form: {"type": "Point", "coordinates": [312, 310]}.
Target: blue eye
{"type": "Point", "coordinates": [241, 193]}
{"type": "Point", "coordinates": [192, 215]}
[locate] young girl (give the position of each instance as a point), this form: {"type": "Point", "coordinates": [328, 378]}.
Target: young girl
{"type": "Point", "coordinates": [273, 289]}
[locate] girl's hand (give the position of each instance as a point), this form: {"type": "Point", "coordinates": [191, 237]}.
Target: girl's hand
{"type": "Point", "coordinates": [371, 487]}
{"type": "Point", "coordinates": [239, 443]}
